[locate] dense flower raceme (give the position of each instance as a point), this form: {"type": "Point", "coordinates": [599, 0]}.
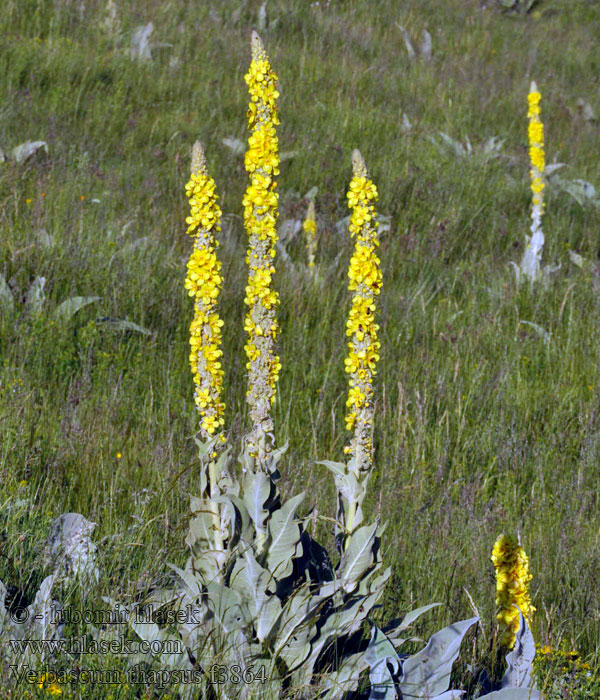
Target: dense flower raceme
{"type": "Point", "coordinates": [260, 217]}
{"type": "Point", "coordinates": [365, 283]}
{"type": "Point", "coordinates": [203, 282]}
{"type": "Point", "coordinates": [512, 587]}
{"type": "Point", "coordinates": [310, 229]}
{"type": "Point", "coordinates": [533, 252]}
{"type": "Point", "coordinates": [536, 145]}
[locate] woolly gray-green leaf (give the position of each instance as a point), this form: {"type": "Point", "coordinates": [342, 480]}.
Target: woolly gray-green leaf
{"type": "Point", "coordinates": [190, 582]}
{"type": "Point", "coordinates": [119, 324]}
{"type": "Point", "coordinates": [520, 659]}
{"type": "Point", "coordinates": [378, 655]}
{"type": "Point", "coordinates": [236, 146]}
{"type": "Point", "coordinates": [226, 605]}
{"type": "Point", "coordinates": [427, 673]}
{"type": "Point", "coordinates": [284, 534]}
{"type": "Point", "coordinates": [337, 468]}
{"type": "Point", "coordinates": [7, 302]}
{"type": "Point", "coordinates": [36, 295]}
{"type": "Point", "coordinates": [68, 308]}
{"type": "Point", "coordinates": [450, 695]}
{"type": "Point", "coordinates": [251, 581]}
{"type": "Point", "coordinates": [512, 694]}
{"type": "Point", "coordinates": [395, 627]}
{"type": "Point", "coordinates": [257, 490]}
{"type": "Point", "coordinates": [345, 679]}
{"type": "Point", "coordinates": [358, 556]}
{"type": "Point", "coordinates": [24, 151]}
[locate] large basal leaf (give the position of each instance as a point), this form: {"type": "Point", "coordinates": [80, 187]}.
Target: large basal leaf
{"type": "Point", "coordinates": [257, 491]}
{"type": "Point", "coordinates": [226, 605]}
{"type": "Point", "coordinates": [395, 627]}
{"type": "Point", "coordinates": [380, 655]}
{"type": "Point", "coordinates": [520, 659]}
{"type": "Point", "coordinates": [119, 324]}
{"type": "Point", "coordinates": [427, 673]}
{"type": "Point", "coordinates": [284, 538]}
{"type": "Point", "coordinates": [297, 612]}
{"type": "Point", "coordinates": [345, 679]}
{"type": "Point", "coordinates": [256, 587]}
{"type": "Point", "coordinates": [358, 557]}
{"type": "Point", "coordinates": [7, 302]}
{"type": "Point", "coordinates": [450, 695]}
{"type": "Point", "coordinates": [66, 309]}
{"type": "Point", "coordinates": [36, 295]}
{"type": "Point", "coordinates": [512, 694]}
{"type": "Point", "coordinates": [24, 151]}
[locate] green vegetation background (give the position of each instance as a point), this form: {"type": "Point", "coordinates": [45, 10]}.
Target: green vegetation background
{"type": "Point", "coordinates": [482, 425]}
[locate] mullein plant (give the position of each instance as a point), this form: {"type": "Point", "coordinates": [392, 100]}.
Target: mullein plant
{"type": "Point", "coordinates": [512, 587]}
{"type": "Point", "coordinates": [260, 218]}
{"type": "Point", "coordinates": [258, 596]}
{"type": "Point", "coordinates": [530, 264]}
{"type": "Point", "coordinates": [310, 231]}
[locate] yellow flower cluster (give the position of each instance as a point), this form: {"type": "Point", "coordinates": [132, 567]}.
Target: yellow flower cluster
{"type": "Point", "coordinates": [536, 145]}
{"type": "Point", "coordinates": [512, 583]}
{"type": "Point", "coordinates": [365, 283]}
{"type": "Point", "coordinates": [310, 229]}
{"type": "Point", "coordinates": [260, 218]}
{"type": "Point", "coordinates": [203, 283]}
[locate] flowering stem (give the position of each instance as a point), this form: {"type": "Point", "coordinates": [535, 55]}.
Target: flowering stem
{"type": "Point", "coordinates": [365, 283]}
{"type": "Point", "coordinates": [530, 265]}
{"type": "Point", "coordinates": [203, 282]}
{"type": "Point", "coordinates": [260, 216]}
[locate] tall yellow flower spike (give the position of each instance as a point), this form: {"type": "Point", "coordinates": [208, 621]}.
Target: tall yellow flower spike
{"type": "Point", "coordinates": [361, 363]}
{"type": "Point", "coordinates": [310, 229]}
{"type": "Point", "coordinates": [260, 217]}
{"type": "Point", "coordinates": [530, 265]}
{"type": "Point", "coordinates": [203, 282]}
{"type": "Point", "coordinates": [512, 587]}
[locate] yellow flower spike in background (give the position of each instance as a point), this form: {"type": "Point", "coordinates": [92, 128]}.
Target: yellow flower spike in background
{"type": "Point", "coordinates": [512, 587]}
{"type": "Point", "coordinates": [260, 217]}
{"type": "Point", "coordinates": [530, 265]}
{"type": "Point", "coordinates": [203, 282]}
{"type": "Point", "coordinates": [365, 284]}
{"type": "Point", "coordinates": [310, 229]}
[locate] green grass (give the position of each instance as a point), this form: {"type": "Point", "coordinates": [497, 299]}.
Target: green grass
{"type": "Point", "coordinates": [481, 425]}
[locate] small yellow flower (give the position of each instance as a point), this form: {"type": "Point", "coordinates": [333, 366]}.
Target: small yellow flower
{"type": "Point", "coordinates": [118, 455]}
{"type": "Point", "coordinates": [48, 683]}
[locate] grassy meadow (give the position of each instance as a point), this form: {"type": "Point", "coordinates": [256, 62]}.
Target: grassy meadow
{"type": "Point", "coordinates": [488, 416]}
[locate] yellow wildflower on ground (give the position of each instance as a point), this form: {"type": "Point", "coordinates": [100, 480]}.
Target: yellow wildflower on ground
{"type": "Point", "coordinates": [203, 282]}
{"type": "Point", "coordinates": [512, 587]}
{"type": "Point", "coordinates": [365, 284]}
{"type": "Point", "coordinates": [310, 229]}
{"type": "Point", "coordinates": [260, 217]}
